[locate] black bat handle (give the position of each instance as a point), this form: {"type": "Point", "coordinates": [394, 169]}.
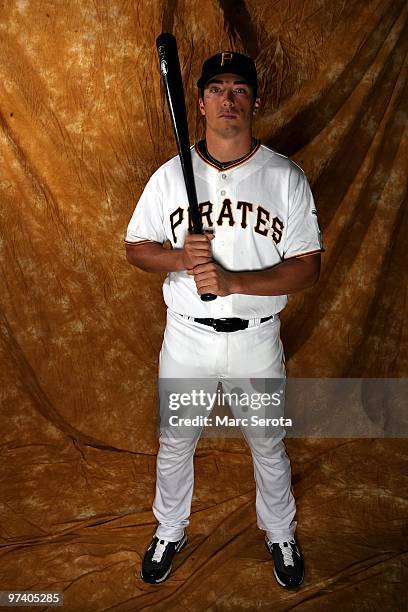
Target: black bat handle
{"type": "Point", "coordinates": [171, 73]}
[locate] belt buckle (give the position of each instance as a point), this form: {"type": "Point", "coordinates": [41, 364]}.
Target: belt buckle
{"type": "Point", "coordinates": [228, 325]}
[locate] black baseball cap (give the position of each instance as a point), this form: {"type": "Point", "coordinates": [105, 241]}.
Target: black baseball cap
{"type": "Point", "coordinates": [232, 62]}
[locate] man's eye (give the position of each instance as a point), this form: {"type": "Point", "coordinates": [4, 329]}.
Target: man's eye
{"type": "Point", "coordinates": [214, 89]}
{"type": "Point", "coordinates": [241, 90]}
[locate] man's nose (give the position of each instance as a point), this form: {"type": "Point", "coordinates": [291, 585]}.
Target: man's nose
{"type": "Point", "coordinates": [228, 98]}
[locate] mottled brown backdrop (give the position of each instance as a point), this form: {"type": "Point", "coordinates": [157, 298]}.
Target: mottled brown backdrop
{"type": "Point", "coordinates": [83, 126]}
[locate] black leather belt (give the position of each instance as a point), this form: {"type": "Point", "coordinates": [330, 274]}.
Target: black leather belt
{"type": "Point", "coordinates": [228, 325]}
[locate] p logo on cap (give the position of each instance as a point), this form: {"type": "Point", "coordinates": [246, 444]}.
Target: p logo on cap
{"type": "Point", "coordinates": [226, 56]}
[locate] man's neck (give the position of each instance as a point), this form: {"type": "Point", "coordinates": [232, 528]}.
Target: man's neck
{"type": "Point", "coordinates": [226, 149]}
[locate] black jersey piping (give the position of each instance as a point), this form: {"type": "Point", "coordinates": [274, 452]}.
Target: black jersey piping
{"type": "Point", "coordinates": [299, 255]}
{"type": "Point", "coordinates": [233, 166]}
{"type": "Point", "coordinates": [137, 242]}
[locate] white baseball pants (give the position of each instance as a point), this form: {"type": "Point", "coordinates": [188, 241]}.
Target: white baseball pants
{"type": "Point", "coordinates": [192, 350]}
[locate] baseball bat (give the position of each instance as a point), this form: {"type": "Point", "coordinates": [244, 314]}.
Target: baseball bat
{"type": "Point", "coordinates": [171, 74]}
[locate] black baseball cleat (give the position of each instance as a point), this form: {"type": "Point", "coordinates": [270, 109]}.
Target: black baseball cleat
{"type": "Point", "coordinates": [288, 562]}
{"type": "Point", "coordinates": [156, 565]}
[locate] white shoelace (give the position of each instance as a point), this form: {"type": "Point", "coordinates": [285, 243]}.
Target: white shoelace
{"type": "Point", "coordinates": [160, 548]}
{"type": "Point", "coordinates": [287, 553]}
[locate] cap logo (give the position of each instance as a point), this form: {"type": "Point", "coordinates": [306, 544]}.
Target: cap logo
{"type": "Point", "coordinates": [226, 57]}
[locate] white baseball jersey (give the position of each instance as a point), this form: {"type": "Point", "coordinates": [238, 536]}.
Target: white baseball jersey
{"type": "Point", "coordinates": [261, 210]}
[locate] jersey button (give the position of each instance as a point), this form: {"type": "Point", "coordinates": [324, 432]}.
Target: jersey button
{"type": "Point", "coordinates": [224, 176]}
{"type": "Point", "coordinates": [223, 192]}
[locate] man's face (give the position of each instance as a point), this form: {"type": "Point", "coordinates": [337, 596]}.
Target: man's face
{"type": "Point", "coordinates": [228, 105]}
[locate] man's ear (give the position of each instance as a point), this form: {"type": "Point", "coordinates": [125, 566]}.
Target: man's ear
{"type": "Point", "coordinates": [257, 105]}
{"type": "Point", "coordinates": [201, 105]}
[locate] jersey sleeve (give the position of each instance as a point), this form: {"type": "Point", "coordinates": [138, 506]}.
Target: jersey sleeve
{"type": "Point", "coordinates": [146, 223]}
{"type": "Point", "coordinates": [303, 235]}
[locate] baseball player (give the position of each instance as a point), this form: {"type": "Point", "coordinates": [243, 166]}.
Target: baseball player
{"type": "Point", "coordinates": [262, 242]}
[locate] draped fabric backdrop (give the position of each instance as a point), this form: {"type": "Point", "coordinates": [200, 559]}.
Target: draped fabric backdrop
{"type": "Point", "coordinates": [83, 125]}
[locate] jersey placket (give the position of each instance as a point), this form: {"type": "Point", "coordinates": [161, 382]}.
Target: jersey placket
{"type": "Point", "coordinates": [225, 242]}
